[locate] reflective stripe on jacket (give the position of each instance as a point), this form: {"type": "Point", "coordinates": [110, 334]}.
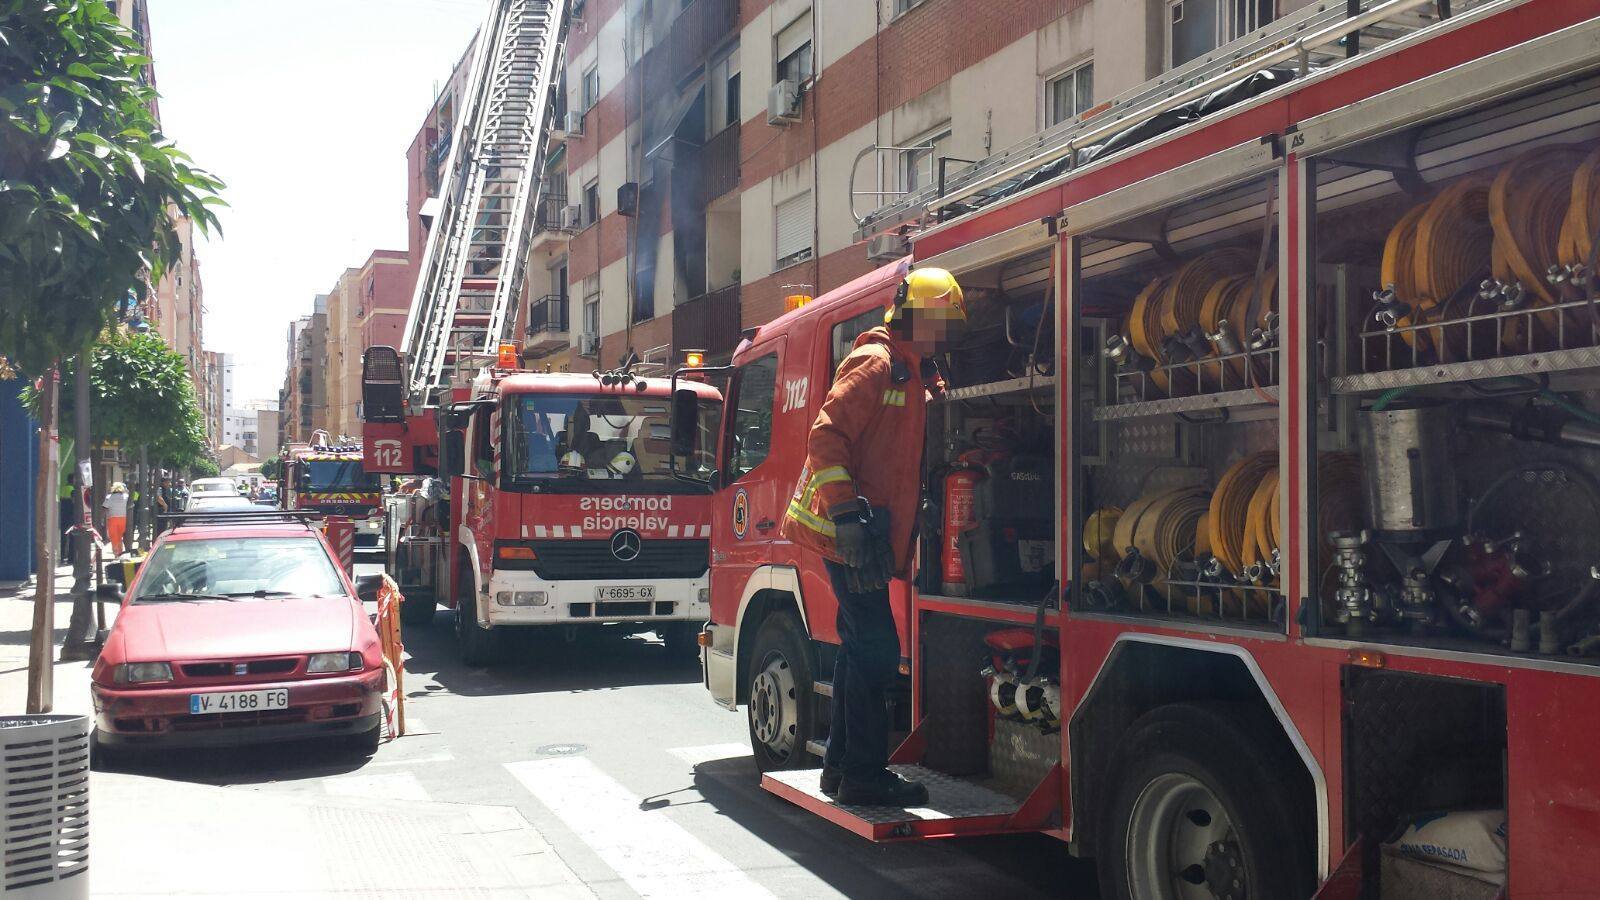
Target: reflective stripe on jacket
{"type": "Point", "coordinates": [867, 442]}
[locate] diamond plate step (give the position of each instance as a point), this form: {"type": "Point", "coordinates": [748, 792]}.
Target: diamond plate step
{"type": "Point", "coordinates": [956, 806]}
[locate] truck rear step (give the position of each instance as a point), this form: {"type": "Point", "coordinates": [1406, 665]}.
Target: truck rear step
{"type": "Point", "coordinates": [956, 807]}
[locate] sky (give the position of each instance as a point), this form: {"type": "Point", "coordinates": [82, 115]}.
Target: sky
{"type": "Point", "coordinates": [305, 108]}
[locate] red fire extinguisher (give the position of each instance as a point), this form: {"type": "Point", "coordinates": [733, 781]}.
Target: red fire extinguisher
{"type": "Point", "coordinates": [960, 499]}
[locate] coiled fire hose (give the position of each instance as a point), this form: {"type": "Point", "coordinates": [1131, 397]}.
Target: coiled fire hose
{"type": "Point", "coordinates": [1528, 206]}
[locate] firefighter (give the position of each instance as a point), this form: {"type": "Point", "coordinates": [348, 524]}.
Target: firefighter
{"type": "Point", "coordinates": [857, 504]}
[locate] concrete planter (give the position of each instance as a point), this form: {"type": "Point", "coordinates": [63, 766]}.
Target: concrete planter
{"type": "Point", "coordinates": [44, 800]}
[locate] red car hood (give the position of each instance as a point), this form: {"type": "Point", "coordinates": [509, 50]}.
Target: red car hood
{"type": "Point", "coordinates": [210, 629]}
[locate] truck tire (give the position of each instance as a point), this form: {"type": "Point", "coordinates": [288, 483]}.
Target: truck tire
{"type": "Point", "coordinates": [1202, 806]}
{"type": "Point", "coordinates": [479, 646]}
{"type": "Point", "coordinates": [418, 606]}
{"type": "Point", "coordinates": [780, 708]}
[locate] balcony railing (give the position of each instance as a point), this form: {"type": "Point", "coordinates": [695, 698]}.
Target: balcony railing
{"type": "Point", "coordinates": [709, 322]}
{"type": "Point", "coordinates": [719, 161]}
{"type": "Point", "coordinates": [548, 323]}
{"type": "Point", "coordinates": [698, 30]}
{"type": "Point", "coordinates": [547, 217]}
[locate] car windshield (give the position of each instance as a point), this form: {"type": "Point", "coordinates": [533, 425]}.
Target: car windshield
{"type": "Point", "coordinates": [237, 567]}
{"type": "Point", "coordinates": [339, 475]}
{"type": "Point", "coordinates": [213, 501]}
{"type": "Point", "coordinates": [213, 487]}
{"type": "Point", "coordinates": [616, 439]}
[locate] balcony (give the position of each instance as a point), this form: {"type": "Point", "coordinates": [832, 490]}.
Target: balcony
{"type": "Point", "coordinates": [696, 32]}
{"type": "Point", "coordinates": [547, 324]}
{"type": "Point", "coordinates": [709, 322]}
{"type": "Point", "coordinates": [719, 165]}
{"type": "Point", "coordinates": [547, 224]}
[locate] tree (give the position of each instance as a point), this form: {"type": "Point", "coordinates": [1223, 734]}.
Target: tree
{"type": "Point", "coordinates": [88, 185]}
{"type": "Point", "coordinates": [272, 469]}
{"type": "Point", "coordinates": [204, 468]}
{"type": "Point", "coordinates": [140, 395]}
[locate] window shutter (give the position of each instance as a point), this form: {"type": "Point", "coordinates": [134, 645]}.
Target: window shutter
{"type": "Point", "coordinates": [794, 35]}
{"type": "Point", "coordinates": [794, 220]}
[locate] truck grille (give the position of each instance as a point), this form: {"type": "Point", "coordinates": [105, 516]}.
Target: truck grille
{"type": "Point", "coordinates": [569, 560]}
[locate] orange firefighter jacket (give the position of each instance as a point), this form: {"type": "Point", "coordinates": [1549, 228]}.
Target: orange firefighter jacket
{"type": "Point", "coordinates": [867, 442]}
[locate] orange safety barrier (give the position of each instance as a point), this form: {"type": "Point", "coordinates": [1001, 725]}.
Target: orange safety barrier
{"type": "Point", "coordinates": [341, 534]}
{"type": "Point", "coordinates": [394, 705]}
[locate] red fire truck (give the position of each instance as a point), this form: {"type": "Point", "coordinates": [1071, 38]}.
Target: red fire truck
{"type": "Point", "coordinates": [558, 502]}
{"type": "Point", "coordinates": [328, 477]}
{"type": "Point", "coordinates": [1266, 486]}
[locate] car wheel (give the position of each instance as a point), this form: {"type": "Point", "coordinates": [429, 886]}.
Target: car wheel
{"type": "Point", "coordinates": [366, 743]}
{"type": "Point", "coordinates": [102, 756]}
{"type": "Point", "coordinates": [1190, 818]}
{"type": "Point", "coordinates": [682, 640]}
{"type": "Point", "coordinates": [779, 710]}
{"type": "Point", "coordinates": [418, 607]}
{"type": "Point", "coordinates": [479, 645]}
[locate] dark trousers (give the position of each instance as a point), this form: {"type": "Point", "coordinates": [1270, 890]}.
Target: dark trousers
{"type": "Point", "coordinates": [869, 655]}
{"type": "Point", "coordinates": [67, 509]}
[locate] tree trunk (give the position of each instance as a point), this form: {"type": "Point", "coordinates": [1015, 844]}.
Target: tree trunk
{"type": "Point", "coordinates": [41, 688]}
{"type": "Point", "coordinates": [80, 625]}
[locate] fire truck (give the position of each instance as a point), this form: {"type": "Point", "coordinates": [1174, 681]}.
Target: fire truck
{"type": "Point", "coordinates": [1265, 487]}
{"type": "Point", "coordinates": [544, 499]}
{"type": "Point", "coordinates": [328, 477]}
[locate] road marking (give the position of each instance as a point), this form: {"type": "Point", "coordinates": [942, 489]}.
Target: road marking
{"type": "Point", "coordinates": [388, 786]}
{"type": "Point", "coordinates": [443, 756]}
{"type": "Point", "coordinates": [653, 854]}
{"type": "Point", "coordinates": [694, 756]}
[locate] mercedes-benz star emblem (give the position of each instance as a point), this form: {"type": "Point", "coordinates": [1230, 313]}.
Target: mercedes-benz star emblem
{"type": "Point", "coordinates": [625, 545]}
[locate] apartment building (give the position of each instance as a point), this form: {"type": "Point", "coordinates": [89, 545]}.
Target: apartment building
{"type": "Point", "coordinates": [302, 401]}
{"type": "Point", "coordinates": [718, 154]}
{"type": "Point", "coordinates": [366, 306]}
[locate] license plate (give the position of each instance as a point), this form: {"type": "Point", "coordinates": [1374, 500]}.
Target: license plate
{"type": "Point", "coordinates": [238, 701]}
{"type": "Point", "coordinates": [631, 592]}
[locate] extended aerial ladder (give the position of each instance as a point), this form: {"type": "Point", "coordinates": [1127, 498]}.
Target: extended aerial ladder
{"type": "Point", "coordinates": [473, 268]}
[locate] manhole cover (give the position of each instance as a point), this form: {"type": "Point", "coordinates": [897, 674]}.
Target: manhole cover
{"type": "Point", "coordinates": [561, 749]}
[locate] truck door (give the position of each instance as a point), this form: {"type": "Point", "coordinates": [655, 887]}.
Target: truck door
{"type": "Point", "coordinates": [477, 486]}
{"type": "Point", "coordinates": [747, 513]}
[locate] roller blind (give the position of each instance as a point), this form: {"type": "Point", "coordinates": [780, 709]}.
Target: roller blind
{"type": "Point", "coordinates": [794, 35]}
{"type": "Point", "coordinates": [794, 224]}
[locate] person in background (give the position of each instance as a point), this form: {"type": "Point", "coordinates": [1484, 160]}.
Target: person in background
{"type": "Point", "coordinates": [116, 507]}
{"type": "Point", "coordinates": [68, 513]}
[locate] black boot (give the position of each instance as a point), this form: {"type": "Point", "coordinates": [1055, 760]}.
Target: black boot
{"type": "Point", "coordinates": [830, 781]}
{"type": "Point", "coordinates": [887, 789]}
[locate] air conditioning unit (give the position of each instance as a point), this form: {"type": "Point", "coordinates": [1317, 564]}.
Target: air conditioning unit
{"type": "Point", "coordinates": [588, 345]}
{"type": "Point", "coordinates": [574, 123]}
{"type": "Point", "coordinates": [572, 217]}
{"type": "Point", "coordinates": [783, 103]}
{"type": "Point", "coordinates": [887, 247]}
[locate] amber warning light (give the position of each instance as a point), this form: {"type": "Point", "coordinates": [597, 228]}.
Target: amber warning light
{"type": "Point", "coordinates": [694, 359]}
{"type": "Point", "coordinates": [507, 357]}
{"type": "Point", "coordinates": [795, 301]}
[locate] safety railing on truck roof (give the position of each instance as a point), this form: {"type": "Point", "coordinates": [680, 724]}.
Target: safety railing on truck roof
{"type": "Point", "coordinates": [1317, 37]}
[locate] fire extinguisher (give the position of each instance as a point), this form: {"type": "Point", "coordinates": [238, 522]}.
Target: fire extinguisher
{"type": "Point", "coordinates": [960, 500]}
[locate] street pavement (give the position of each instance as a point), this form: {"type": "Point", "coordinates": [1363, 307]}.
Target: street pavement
{"type": "Point", "coordinates": [598, 768]}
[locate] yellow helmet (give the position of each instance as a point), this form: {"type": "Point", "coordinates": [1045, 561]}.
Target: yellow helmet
{"type": "Point", "coordinates": [934, 291]}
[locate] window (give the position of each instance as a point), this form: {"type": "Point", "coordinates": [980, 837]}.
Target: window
{"type": "Point", "coordinates": [755, 389]}
{"type": "Point", "coordinates": [794, 218]}
{"type": "Point", "coordinates": [846, 332]}
{"type": "Point", "coordinates": [903, 6]}
{"type": "Point", "coordinates": [591, 203]}
{"type": "Point", "coordinates": [919, 166]}
{"type": "Point", "coordinates": [722, 93]}
{"type": "Point", "coordinates": [1068, 95]}
{"type": "Point", "coordinates": [793, 51]}
{"type": "Point", "coordinates": [571, 439]}
{"type": "Point", "coordinates": [591, 88]}
{"type": "Point", "coordinates": [1196, 27]}
{"type": "Point", "coordinates": [591, 305]}
{"type": "Point", "coordinates": [238, 569]}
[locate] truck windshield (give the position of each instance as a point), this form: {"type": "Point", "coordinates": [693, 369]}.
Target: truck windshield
{"type": "Point", "coordinates": [339, 475]}
{"type": "Point", "coordinates": [556, 439]}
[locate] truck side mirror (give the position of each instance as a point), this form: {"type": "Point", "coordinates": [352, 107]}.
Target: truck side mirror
{"type": "Point", "coordinates": [453, 454]}
{"type": "Point", "coordinates": [685, 422]}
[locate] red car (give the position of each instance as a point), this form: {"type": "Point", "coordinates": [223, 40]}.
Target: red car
{"type": "Point", "coordinates": [239, 631]}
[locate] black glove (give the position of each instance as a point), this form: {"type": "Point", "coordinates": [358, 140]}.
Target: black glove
{"type": "Point", "coordinates": [851, 542]}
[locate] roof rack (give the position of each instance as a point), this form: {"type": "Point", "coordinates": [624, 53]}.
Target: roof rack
{"type": "Point", "coordinates": [263, 516]}
{"type": "Point", "coordinates": [1319, 36]}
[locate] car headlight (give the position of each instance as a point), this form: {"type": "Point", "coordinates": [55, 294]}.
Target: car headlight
{"type": "Point", "coordinates": [322, 663]}
{"type": "Point", "coordinates": [521, 598]}
{"type": "Point", "coordinates": [143, 673]}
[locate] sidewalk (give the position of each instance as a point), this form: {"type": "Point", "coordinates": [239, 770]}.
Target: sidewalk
{"type": "Point", "coordinates": [161, 837]}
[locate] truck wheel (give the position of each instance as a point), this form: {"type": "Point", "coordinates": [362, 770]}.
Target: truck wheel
{"type": "Point", "coordinates": [780, 704]}
{"type": "Point", "coordinates": [418, 606]}
{"type": "Point", "coordinates": [682, 640]}
{"type": "Point", "coordinates": [480, 646]}
{"type": "Point", "coordinates": [1202, 809]}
